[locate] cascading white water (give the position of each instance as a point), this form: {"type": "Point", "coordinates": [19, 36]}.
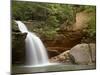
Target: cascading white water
{"type": "Point", "coordinates": [35, 51]}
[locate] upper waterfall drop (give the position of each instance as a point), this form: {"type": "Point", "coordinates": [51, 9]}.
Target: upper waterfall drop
{"type": "Point", "coordinates": [36, 53]}
{"type": "Point", "coordinates": [22, 27]}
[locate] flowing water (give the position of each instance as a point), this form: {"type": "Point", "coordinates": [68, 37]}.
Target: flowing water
{"type": "Point", "coordinates": [35, 51]}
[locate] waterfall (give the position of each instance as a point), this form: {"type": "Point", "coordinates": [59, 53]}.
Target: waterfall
{"type": "Point", "coordinates": [36, 53]}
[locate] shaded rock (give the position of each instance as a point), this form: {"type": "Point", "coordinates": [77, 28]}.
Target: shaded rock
{"type": "Point", "coordinates": [64, 39]}
{"type": "Point", "coordinates": [18, 48]}
{"type": "Point", "coordinates": [58, 49]}
{"type": "Point", "coordinates": [93, 52]}
{"type": "Point", "coordinates": [53, 53]}
{"type": "Point", "coordinates": [18, 45]}
{"type": "Point", "coordinates": [83, 53]}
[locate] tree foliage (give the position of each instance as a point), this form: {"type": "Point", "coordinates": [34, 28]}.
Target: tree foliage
{"type": "Point", "coordinates": [47, 18]}
{"type": "Point", "coordinates": [52, 15]}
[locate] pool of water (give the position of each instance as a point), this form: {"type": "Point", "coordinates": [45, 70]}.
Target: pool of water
{"type": "Point", "coordinates": [50, 68]}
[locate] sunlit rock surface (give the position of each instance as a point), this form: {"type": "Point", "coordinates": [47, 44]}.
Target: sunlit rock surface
{"type": "Point", "coordinates": [84, 53]}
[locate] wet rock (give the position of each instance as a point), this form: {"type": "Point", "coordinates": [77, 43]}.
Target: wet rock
{"type": "Point", "coordinates": [15, 27]}
{"type": "Point", "coordinates": [83, 53]}
{"type": "Point", "coordinates": [18, 45]}
{"type": "Point", "coordinates": [18, 48]}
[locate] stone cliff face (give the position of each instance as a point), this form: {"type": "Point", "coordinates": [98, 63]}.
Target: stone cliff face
{"type": "Point", "coordinates": [64, 41]}
{"type": "Point", "coordinates": [18, 45]}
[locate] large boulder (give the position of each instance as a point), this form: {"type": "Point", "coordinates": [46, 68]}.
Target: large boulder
{"type": "Point", "coordinates": [84, 53]}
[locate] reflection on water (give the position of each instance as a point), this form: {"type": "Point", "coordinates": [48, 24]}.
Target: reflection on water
{"type": "Point", "coordinates": [51, 68]}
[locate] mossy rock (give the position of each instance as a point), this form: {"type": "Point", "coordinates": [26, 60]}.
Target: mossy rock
{"type": "Point", "coordinates": [15, 27]}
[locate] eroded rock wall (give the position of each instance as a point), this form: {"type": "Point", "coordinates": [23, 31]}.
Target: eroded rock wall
{"type": "Point", "coordinates": [18, 45]}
